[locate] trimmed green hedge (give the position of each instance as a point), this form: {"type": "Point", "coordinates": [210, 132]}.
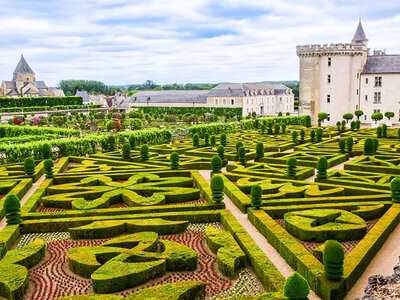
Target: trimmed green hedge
{"type": "Point", "coordinates": [40, 101]}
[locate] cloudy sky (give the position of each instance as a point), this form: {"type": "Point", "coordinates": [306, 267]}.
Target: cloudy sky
{"type": "Point", "coordinates": [167, 41]}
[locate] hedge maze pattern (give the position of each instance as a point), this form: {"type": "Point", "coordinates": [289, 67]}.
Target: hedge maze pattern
{"type": "Point", "coordinates": [123, 224]}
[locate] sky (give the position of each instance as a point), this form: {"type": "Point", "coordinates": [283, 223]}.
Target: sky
{"type": "Point", "coordinates": [124, 42]}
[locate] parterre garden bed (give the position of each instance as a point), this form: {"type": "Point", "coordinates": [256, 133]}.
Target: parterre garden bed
{"type": "Point", "coordinates": [134, 228]}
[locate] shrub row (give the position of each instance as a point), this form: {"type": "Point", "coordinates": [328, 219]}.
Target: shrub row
{"type": "Point", "coordinates": [40, 101]}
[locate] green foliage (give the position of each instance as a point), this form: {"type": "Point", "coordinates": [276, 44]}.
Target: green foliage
{"type": "Point", "coordinates": [39, 101]}
{"type": "Point", "coordinates": [389, 114]}
{"type": "Point", "coordinates": [71, 86]}
{"type": "Point", "coordinates": [343, 125]}
{"type": "Point", "coordinates": [46, 150]}
{"type": "Point", "coordinates": [322, 116]}
{"type": "Point", "coordinates": [280, 114]}
{"type": "Point", "coordinates": [291, 166]}
{"type": "Point", "coordinates": [333, 257]}
{"type": "Point", "coordinates": [126, 151]}
{"type": "Point", "coordinates": [358, 114]}
{"type": "Point", "coordinates": [63, 150]}
{"type": "Point", "coordinates": [144, 153]}
{"type": "Point", "coordinates": [379, 132]}
{"type": "Point", "coordinates": [312, 135]}
{"type": "Point", "coordinates": [196, 140]}
{"type": "Point", "coordinates": [221, 152]}
{"type": "Point", "coordinates": [302, 135]}
{"type": "Point", "coordinates": [307, 121]}
{"type": "Point", "coordinates": [29, 166]}
{"type": "Point", "coordinates": [111, 143]}
{"type": "Point", "coordinates": [12, 209]}
{"type": "Point", "coordinates": [283, 127]}
{"type": "Point", "coordinates": [263, 127]}
{"type": "Point", "coordinates": [136, 124]}
{"type": "Point", "coordinates": [376, 145]}
{"type": "Point", "coordinates": [207, 139]}
{"type": "Point", "coordinates": [238, 145]}
{"type": "Point", "coordinates": [353, 125]}
{"type": "Point", "coordinates": [348, 117]}
{"type": "Point", "coordinates": [369, 146]}
{"type": "Point", "coordinates": [219, 111]}
{"type": "Point", "coordinates": [277, 128]}
{"type": "Point", "coordinates": [242, 156]}
{"type": "Point", "coordinates": [322, 166]}
{"type": "Point", "coordinates": [223, 139]}
{"type": "Point", "coordinates": [294, 136]}
{"type": "Point", "coordinates": [213, 141]}
{"type": "Point", "coordinates": [349, 144]}
{"type": "Point", "coordinates": [174, 159]}
{"type": "Point", "coordinates": [338, 126]}
{"type": "Point", "coordinates": [296, 287]}
{"type": "Point", "coordinates": [384, 130]}
{"type": "Point", "coordinates": [395, 189]}
{"type": "Point", "coordinates": [319, 135]}
{"type": "Point", "coordinates": [342, 145]}
{"type": "Point", "coordinates": [216, 164]}
{"type": "Point", "coordinates": [217, 188]}
{"type": "Point", "coordinates": [48, 167]}
{"type": "Point", "coordinates": [259, 150]}
{"type": "Point", "coordinates": [256, 195]}
{"type": "Point", "coordinates": [377, 117]}
{"type": "Point", "coordinates": [132, 141]}
{"type": "Point", "coordinates": [358, 124]}
{"type": "Point", "coordinates": [269, 125]}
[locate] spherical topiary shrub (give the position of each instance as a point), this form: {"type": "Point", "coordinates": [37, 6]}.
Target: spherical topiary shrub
{"type": "Point", "coordinates": [221, 151]}
{"type": "Point", "coordinates": [207, 139]}
{"type": "Point", "coordinates": [132, 141]}
{"type": "Point", "coordinates": [259, 151]}
{"type": "Point", "coordinates": [302, 135]}
{"type": "Point", "coordinates": [256, 195]}
{"type": "Point", "coordinates": [174, 159]}
{"type": "Point", "coordinates": [322, 167]}
{"type": "Point", "coordinates": [29, 166]}
{"type": "Point", "coordinates": [263, 128]}
{"type": "Point", "coordinates": [48, 168]}
{"type": "Point", "coordinates": [379, 132]}
{"type": "Point", "coordinates": [12, 210]}
{"type": "Point", "coordinates": [376, 145]}
{"type": "Point", "coordinates": [312, 135]}
{"type": "Point", "coordinates": [213, 141]}
{"type": "Point", "coordinates": [283, 127]}
{"type": "Point", "coordinates": [349, 144]}
{"type": "Point", "coordinates": [291, 166]}
{"type": "Point", "coordinates": [216, 164]}
{"type": "Point", "coordinates": [384, 130]}
{"type": "Point", "coordinates": [320, 133]}
{"type": "Point", "coordinates": [196, 140]}
{"type": "Point", "coordinates": [144, 153]}
{"type": "Point", "coordinates": [296, 287]}
{"type": "Point", "coordinates": [342, 145]}
{"type": "Point", "coordinates": [242, 155]}
{"type": "Point", "coordinates": [294, 136]}
{"type": "Point", "coordinates": [46, 150]}
{"type": "Point", "coordinates": [369, 146]}
{"type": "Point", "coordinates": [333, 257]}
{"type": "Point", "coordinates": [217, 188]}
{"type": "Point", "coordinates": [395, 189]}
{"type": "Point", "coordinates": [223, 139]}
{"type": "Point", "coordinates": [126, 151]}
{"type": "Point", "coordinates": [111, 142]}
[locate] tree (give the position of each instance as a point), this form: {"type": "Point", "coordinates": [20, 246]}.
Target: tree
{"type": "Point", "coordinates": [216, 164]}
{"type": "Point", "coordinates": [12, 209]}
{"type": "Point", "coordinates": [395, 189]}
{"type": "Point", "coordinates": [322, 116]}
{"type": "Point", "coordinates": [358, 114]}
{"type": "Point", "coordinates": [29, 166]}
{"type": "Point", "coordinates": [70, 87]}
{"type": "Point", "coordinates": [296, 287]}
{"type": "Point", "coordinates": [174, 159]}
{"type": "Point", "coordinates": [242, 155]}
{"type": "Point", "coordinates": [259, 151]}
{"type": "Point", "coordinates": [377, 117]}
{"type": "Point", "coordinates": [217, 188]}
{"type": "Point", "coordinates": [322, 166]}
{"type": "Point", "coordinates": [256, 195]}
{"type": "Point", "coordinates": [389, 114]}
{"type": "Point", "coordinates": [48, 167]}
{"type": "Point", "coordinates": [348, 117]}
{"type": "Point", "coordinates": [126, 151]}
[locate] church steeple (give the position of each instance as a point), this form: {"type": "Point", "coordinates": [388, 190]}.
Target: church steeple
{"type": "Point", "coordinates": [22, 68]}
{"type": "Point", "coordinates": [359, 36]}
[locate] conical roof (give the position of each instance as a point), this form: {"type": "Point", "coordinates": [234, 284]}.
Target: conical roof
{"type": "Point", "coordinates": [22, 67]}
{"type": "Point", "coordinates": [359, 36]}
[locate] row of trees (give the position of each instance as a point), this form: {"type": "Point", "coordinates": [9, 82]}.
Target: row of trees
{"type": "Point", "coordinates": [358, 113]}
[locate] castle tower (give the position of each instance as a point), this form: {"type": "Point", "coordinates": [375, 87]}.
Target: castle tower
{"type": "Point", "coordinates": [330, 76]}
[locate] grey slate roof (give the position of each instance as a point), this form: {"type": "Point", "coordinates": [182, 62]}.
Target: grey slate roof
{"type": "Point", "coordinates": [239, 89]}
{"type": "Point", "coordinates": [382, 64]}
{"type": "Point", "coordinates": [170, 96]}
{"type": "Point", "coordinates": [359, 35]}
{"type": "Point", "coordinates": [84, 95]}
{"type": "Point", "coordinates": [41, 85]}
{"type": "Point", "coordinates": [22, 67]}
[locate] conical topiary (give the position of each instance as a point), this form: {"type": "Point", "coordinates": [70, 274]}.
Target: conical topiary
{"type": "Point", "coordinates": [263, 128]}
{"type": "Point", "coordinates": [126, 151]}
{"type": "Point", "coordinates": [322, 167]}
{"type": "Point", "coordinates": [223, 139]}
{"type": "Point", "coordinates": [29, 166]}
{"type": "Point", "coordinates": [213, 141]}
{"type": "Point", "coordinates": [207, 139]}
{"type": "Point", "coordinates": [291, 167]}
{"type": "Point", "coordinates": [369, 146]}
{"type": "Point", "coordinates": [48, 168]}
{"type": "Point", "coordinates": [238, 145]}
{"type": "Point", "coordinates": [242, 155]}
{"type": "Point", "coordinates": [256, 195]}
{"type": "Point", "coordinates": [174, 159]}
{"type": "Point", "coordinates": [196, 140]}
{"type": "Point", "coordinates": [376, 145]}
{"type": "Point", "coordinates": [333, 257]}
{"type": "Point", "coordinates": [384, 130]}
{"type": "Point", "coordinates": [277, 128]}
{"type": "Point", "coordinates": [46, 151]}
{"type": "Point", "coordinates": [217, 188]}
{"type": "Point", "coordinates": [349, 144]}
{"type": "Point", "coordinates": [132, 141]}
{"type": "Point", "coordinates": [111, 142]}
{"type": "Point", "coordinates": [259, 151]}
{"type": "Point", "coordinates": [302, 135]}
{"type": "Point", "coordinates": [296, 287]}
{"type": "Point", "coordinates": [12, 209]}
{"type": "Point", "coordinates": [320, 133]}
{"type": "Point", "coordinates": [283, 127]}
{"type": "Point", "coordinates": [294, 136]}
{"type": "Point", "coordinates": [144, 153]}
{"type": "Point", "coordinates": [312, 135]}
{"type": "Point", "coordinates": [216, 164]}
{"type": "Point", "coordinates": [379, 132]}
{"type": "Point", "coordinates": [395, 189]}
{"type": "Point", "coordinates": [342, 145]}
{"type": "Point", "coordinates": [221, 152]}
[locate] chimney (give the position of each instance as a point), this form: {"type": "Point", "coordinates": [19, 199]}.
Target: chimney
{"type": "Point", "coordinates": [229, 90]}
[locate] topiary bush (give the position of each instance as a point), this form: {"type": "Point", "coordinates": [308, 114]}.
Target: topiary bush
{"type": "Point", "coordinates": [174, 159]}
{"type": "Point", "coordinates": [207, 139]}
{"type": "Point", "coordinates": [353, 125]}
{"type": "Point", "coordinates": [269, 127]}
{"type": "Point", "coordinates": [277, 128]}
{"type": "Point", "coordinates": [238, 145]}
{"type": "Point", "coordinates": [322, 166]}
{"type": "Point", "coordinates": [369, 146]}
{"type": "Point", "coordinates": [111, 142]}
{"type": "Point", "coordinates": [126, 151]}
{"type": "Point", "coordinates": [62, 150]}
{"type": "Point", "coordinates": [216, 164]}
{"type": "Point", "coordinates": [221, 151]}
{"type": "Point", "coordinates": [384, 130]}
{"type": "Point", "coordinates": [132, 141]}
{"type": "Point", "coordinates": [333, 257]}
{"type": "Point", "coordinates": [358, 124]}
{"type": "Point", "coordinates": [259, 150]}
{"type": "Point", "coordinates": [196, 140]}
{"type": "Point", "coordinates": [296, 287]}
{"type": "Point", "coordinates": [223, 139]}
{"type": "Point", "coordinates": [29, 166]}
{"type": "Point", "coordinates": [320, 133]}
{"type": "Point", "coordinates": [217, 188]}
{"type": "Point", "coordinates": [312, 135]}
{"type": "Point", "coordinates": [338, 126]}
{"type": "Point", "coordinates": [342, 145]}
{"type": "Point", "coordinates": [294, 136]}
{"type": "Point", "coordinates": [263, 127]}
{"type": "Point", "coordinates": [379, 132]}
{"type": "Point", "coordinates": [343, 125]}
{"type": "Point", "coordinates": [283, 127]}
{"type": "Point", "coordinates": [144, 153]}
{"type": "Point", "coordinates": [48, 168]}
{"type": "Point", "coordinates": [395, 189]}
{"type": "Point", "coordinates": [12, 209]}
{"type": "Point", "coordinates": [242, 155]}
{"type": "Point", "coordinates": [349, 144]}
{"type": "Point", "coordinates": [46, 151]}
{"type": "Point", "coordinates": [213, 141]}
{"type": "Point", "coordinates": [302, 136]}
{"type": "Point", "coordinates": [256, 195]}
{"type": "Point", "coordinates": [307, 121]}
{"type": "Point", "coordinates": [291, 167]}
{"type": "Point", "coordinates": [376, 145]}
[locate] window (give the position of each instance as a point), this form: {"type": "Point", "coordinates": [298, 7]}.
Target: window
{"type": "Point", "coordinates": [280, 99]}
{"type": "Point", "coordinates": [252, 101]}
{"type": "Point", "coordinates": [356, 106]}
{"type": "Point", "coordinates": [233, 101]}
{"type": "Point", "coordinates": [329, 78]}
{"type": "Point", "coordinates": [329, 61]}
{"type": "Point", "coordinates": [357, 91]}
{"type": "Point", "coordinates": [366, 80]}
{"type": "Point", "coordinates": [366, 97]}
{"type": "Point", "coordinates": [378, 80]}
{"type": "Point", "coordinates": [329, 116]}
{"type": "Point", "coordinates": [224, 101]}
{"type": "Point", "coordinates": [377, 111]}
{"type": "Point", "coordinates": [216, 101]}
{"type": "Point", "coordinates": [247, 101]}
{"type": "Point", "coordinates": [358, 75]}
{"type": "Point", "coordinates": [365, 117]}
{"type": "Point", "coordinates": [377, 97]}
{"type": "Point", "coordinates": [328, 98]}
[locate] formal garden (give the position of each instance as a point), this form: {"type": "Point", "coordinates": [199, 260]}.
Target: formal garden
{"type": "Point", "coordinates": [186, 212]}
